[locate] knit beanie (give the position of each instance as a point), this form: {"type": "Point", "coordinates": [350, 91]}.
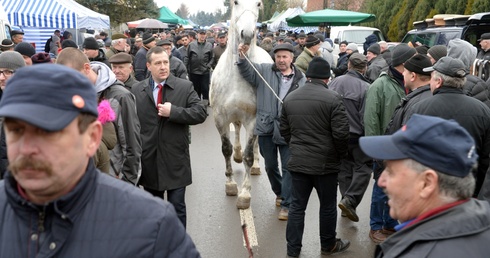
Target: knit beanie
{"type": "Point", "coordinates": [352, 46]}
{"type": "Point", "coordinates": [11, 60]}
{"type": "Point", "coordinates": [148, 38]}
{"type": "Point", "coordinates": [374, 48]}
{"type": "Point", "coordinates": [318, 68]}
{"type": "Point", "coordinates": [90, 43]}
{"type": "Point", "coordinates": [422, 49]}
{"type": "Point", "coordinates": [311, 41]}
{"type": "Point", "coordinates": [401, 53]}
{"type": "Point", "coordinates": [437, 52]}
{"type": "Point", "coordinates": [25, 49]}
{"type": "Point", "coordinates": [68, 43]}
{"type": "Point", "coordinates": [40, 58]}
{"type": "Point", "coordinates": [417, 63]}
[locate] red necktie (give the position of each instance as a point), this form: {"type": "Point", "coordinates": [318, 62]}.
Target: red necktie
{"type": "Point", "coordinates": [159, 96]}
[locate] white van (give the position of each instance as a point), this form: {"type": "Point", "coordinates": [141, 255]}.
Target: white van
{"type": "Point", "coordinates": [4, 25]}
{"type": "Point", "coordinates": [353, 34]}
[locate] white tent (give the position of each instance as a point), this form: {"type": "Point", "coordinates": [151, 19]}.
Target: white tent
{"type": "Point", "coordinates": [279, 22]}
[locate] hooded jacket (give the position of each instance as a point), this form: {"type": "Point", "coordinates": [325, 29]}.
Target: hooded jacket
{"type": "Point", "coordinates": [474, 86]}
{"type": "Point", "coordinates": [101, 58]}
{"type": "Point", "coordinates": [125, 157]}
{"type": "Point", "coordinates": [371, 39]}
{"type": "Point", "coordinates": [326, 50]}
{"type": "Point", "coordinates": [461, 231]}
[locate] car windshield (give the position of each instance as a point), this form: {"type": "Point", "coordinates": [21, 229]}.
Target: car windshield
{"type": "Point", "coordinates": [359, 36]}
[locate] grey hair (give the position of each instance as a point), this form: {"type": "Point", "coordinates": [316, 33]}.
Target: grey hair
{"type": "Point", "coordinates": [454, 82]}
{"type": "Point", "coordinates": [116, 41]}
{"type": "Point", "coordinates": [451, 188]}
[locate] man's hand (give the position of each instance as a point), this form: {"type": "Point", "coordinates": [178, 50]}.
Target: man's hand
{"type": "Point", "coordinates": [242, 49]}
{"type": "Point", "coordinates": [164, 109]}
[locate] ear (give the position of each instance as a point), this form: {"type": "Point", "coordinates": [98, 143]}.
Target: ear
{"type": "Point", "coordinates": [429, 183]}
{"type": "Point", "coordinates": [93, 137]}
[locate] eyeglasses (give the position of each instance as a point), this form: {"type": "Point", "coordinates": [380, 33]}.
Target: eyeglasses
{"type": "Point", "coordinates": [6, 73]}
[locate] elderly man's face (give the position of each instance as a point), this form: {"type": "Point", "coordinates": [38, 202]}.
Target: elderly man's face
{"type": "Point", "coordinates": [402, 185]}
{"type": "Point", "coordinates": [283, 59]}
{"type": "Point", "coordinates": [122, 71]}
{"type": "Point", "coordinates": [485, 44]}
{"type": "Point", "coordinates": [46, 164]}
{"type": "Point", "coordinates": [17, 38]}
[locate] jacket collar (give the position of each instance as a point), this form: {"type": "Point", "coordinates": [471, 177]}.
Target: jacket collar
{"type": "Point", "coordinates": [358, 75]}
{"type": "Point", "coordinates": [447, 89]}
{"type": "Point", "coordinates": [68, 205]}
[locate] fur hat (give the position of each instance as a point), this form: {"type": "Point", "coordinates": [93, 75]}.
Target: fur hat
{"type": "Point", "coordinates": [374, 48]}
{"type": "Point", "coordinates": [41, 58]}
{"type": "Point", "coordinates": [25, 49]}
{"type": "Point", "coordinates": [11, 60]}
{"type": "Point", "coordinates": [311, 41]}
{"type": "Point", "coordinates": [318, 68]}
{"type": "Point", "coordinates": [401, 53]}
{"type": "Point", "coordinates": [90, 43]}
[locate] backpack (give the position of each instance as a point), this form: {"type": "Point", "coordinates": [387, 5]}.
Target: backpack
{"type": "Point", "coordinates": [47, 46]}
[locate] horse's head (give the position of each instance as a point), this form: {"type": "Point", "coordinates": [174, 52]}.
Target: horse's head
{"type": "Point", "coordinates": [244, 15]}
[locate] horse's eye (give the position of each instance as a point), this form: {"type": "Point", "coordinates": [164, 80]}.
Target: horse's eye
{"type": "Point", "coordinates": [258, 4]}
{"type": "Point", "coordinates": [236, 2]}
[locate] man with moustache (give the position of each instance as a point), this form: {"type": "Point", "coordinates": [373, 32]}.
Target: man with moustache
{"type": "Point", "coordinates": [53, 201]}
{"type": "Point", "coordinates": [166, 106]}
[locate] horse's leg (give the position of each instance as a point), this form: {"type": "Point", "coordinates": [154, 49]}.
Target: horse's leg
{"type": "Point", "coordinates": [237, 147]}
{"type": "Point", "coordinates": [243, 200]}
{"type": "Point", "coordinates": [255, 170]}
{"type": "Point", "coordinates": [226, 149]}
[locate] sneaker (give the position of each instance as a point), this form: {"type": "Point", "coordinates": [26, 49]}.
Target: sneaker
{"type": "Point", "coordinates": [283, 214]}
{"type": "Point", "coordinates": [340, 246]}
{"type": "Point", "coordinates": [346, 206]}
{"type": "Point", "coordinates": [377, 236]}
{"type": "Point", "coordinates": [278, 201]}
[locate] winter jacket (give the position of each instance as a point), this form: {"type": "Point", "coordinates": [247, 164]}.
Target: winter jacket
{"type": "Point", "coordinates": [473, 115]}
{"type": "Point", "coordinates": [140, 69]}
{"type": "Point", "coordinates": [125, 157]}
{"type": "Point", "coordinates": [128, 84]}
{"type": "Point", "coordinates": [341, 67]}
{"type": "Point", "coordinates": [375, 67]}
{"type": "Point", "coordinates": [100, 217]}
{"type": "Point", "coordinates": [382, 97]}
{"type": "Point", "coordinates": [477, 88]}
{"type": "Point", "coordinates": [165, 160]}
{"type": "Point", "coordinates": [177, 68]}
{"type": "Point", "coordinates": [326, 52]}
{"type": "Point", "coordinates": [298, 49]}
{"type": "Point", "coordinates": [268, 106]}
{"type": "Point", "coordinates": [400, 117]}
{"type": "Point", "coordinates": [217, 52]}
{"type": "Point", "coordinates": [304, 59]}
{"type": "Point", "coordinates": [199, 57]}
{"type": "Point", "coordinates": [315, 124]}
{"type": "Point", "coordinates": [101, 58]}
{"type": "Point", "coordinates": [183, 52]}
{"type": "Point", "coordinates": [352, 87]}
{"type": "Point", "coordinates": [485, 55]}
{"type": "Point", "coordinates": [460, 231]}
{"type": "Point", "coordinates": [112, 51]}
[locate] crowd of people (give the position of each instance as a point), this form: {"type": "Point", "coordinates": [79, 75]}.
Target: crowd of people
{"type": "Point", "coordinates": [410, 117]}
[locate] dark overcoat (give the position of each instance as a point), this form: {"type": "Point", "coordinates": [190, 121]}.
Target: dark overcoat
{"type": "Point", "coordinates": [165, 141]}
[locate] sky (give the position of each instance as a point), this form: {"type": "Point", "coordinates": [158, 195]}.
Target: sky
{"type": "Point", "coordinates": [194, 6]}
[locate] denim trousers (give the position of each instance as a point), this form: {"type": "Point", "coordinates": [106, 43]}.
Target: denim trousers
{"type": "Point", "coordinates": [380, 211]}
{"type": "Point", "coordinates": [281, 184]}
{"type": "Point", "coordinates": [177, 198]}
{"type": "Point", "coordinates": [326, 188]}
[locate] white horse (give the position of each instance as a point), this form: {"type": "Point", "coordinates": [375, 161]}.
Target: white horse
{"type": "Point", "coordinates": [233, 100]}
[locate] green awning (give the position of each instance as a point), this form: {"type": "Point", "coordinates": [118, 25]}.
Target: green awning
{"type": "Point", "coordinates": [329, 17]}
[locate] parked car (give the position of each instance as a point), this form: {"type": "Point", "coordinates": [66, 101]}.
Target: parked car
{"type": "Point", "coordinates": [355, 34]}
{"type": "Point", "coordinates": [442, 28]}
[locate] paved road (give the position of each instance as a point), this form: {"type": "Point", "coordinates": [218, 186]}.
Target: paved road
{"type": "Point", "coordinates": [214, 222]}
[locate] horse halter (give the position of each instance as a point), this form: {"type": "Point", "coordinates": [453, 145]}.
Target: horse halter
{"type": "Point", "coordinates": [247, 10]}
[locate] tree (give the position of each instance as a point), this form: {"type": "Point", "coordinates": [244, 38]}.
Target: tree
{"type": "Point", "coordinates": [183, 11]}
{"type": "Point", "coordinates": [123, 11]}
{"type": "Point", "coordinates": [296, 3]}
{"type": "Point", "coordinates": [227, 14]}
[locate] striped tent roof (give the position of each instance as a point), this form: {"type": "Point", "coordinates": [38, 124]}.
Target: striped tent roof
{"type": "Point", "coordinates": [53, 14]}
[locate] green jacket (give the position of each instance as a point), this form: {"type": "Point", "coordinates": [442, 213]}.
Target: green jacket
{"type": "Point", "coordinates": [304, 59]}
{"type": "Point", "coordinates": [382, 97]}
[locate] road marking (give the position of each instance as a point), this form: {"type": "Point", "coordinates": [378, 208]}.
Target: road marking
{"type": "Point", "coordinates": [247, 217]}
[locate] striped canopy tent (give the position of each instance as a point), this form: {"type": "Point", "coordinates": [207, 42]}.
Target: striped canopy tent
{"type": "Point", "coordinates": [53, 14]}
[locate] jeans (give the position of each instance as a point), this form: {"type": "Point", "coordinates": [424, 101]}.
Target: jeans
{"type": "Point", "coordinates": [281, 185]}
{"type": "Point", "coordinates": [326, 188]}
{"type": "Point", "coordinates": [177, 198]}
{"type": "Point", "coordinates": [380, 211]}
{"type": "Point", "coordinates": [355, 173]}
{"type": "Point", "coordinates": [201, 84]}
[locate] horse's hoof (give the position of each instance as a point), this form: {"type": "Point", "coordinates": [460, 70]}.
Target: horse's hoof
{"type": "Point", "coordinates": [231, 189]}
{"type": "Point", "coordinates": [237, 159]}
{"type": "Point", "coordinates": [255, 171]}
{"type": "Point", "coordinates": [243, 202]}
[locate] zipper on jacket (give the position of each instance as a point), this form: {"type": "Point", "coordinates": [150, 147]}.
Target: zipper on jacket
{"type": "Point", "coordinates": [40, 221]}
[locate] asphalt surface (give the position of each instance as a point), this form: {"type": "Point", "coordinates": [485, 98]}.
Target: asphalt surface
{"type": "Point", "coordinates": [215, 224]}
